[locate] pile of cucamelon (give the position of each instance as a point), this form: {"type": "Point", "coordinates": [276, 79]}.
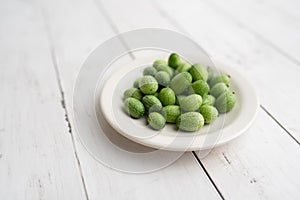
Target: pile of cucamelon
{"type": "Point", "coordinates": [178, 92]}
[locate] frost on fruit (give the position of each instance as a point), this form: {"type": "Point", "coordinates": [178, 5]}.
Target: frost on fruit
{"type": "Point", "coordinates": [181, 82]}
{"type": "Point", "coordinates": [148, 85]}
{"type": "Point", "coordinates": [190, 121]}
{"type": "Point", "coordinates": [156, 120]}
{"type": "Point", "coordinates": [191, 102]}
{"type": "Point", "coordinates": [225, 102]}
{"type": "Point", "coordinates": [199, 72]}
{"type": "Point", "coordinates": [175, 91]}
{"type": "Point", "coordinates": [134, 107]}
{"type": "Point", "coordinates": [209, 113]}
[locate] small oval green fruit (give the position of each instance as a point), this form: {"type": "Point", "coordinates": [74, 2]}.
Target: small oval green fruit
{"type": "Point", "coordinates": [134, 107]}
{"type": "Point", "coordinates": [165, 68]}
{"type": "Point", "coordinates": [225, 102]}
{"type": "Point", "coordinates": [149, 71]}
{"type": "Point", "coordinates": [149, 101]}
{"type": "Point", "coordinates": [171, 113]}
{"type": "Point", "coordinates": [174, 60]}
{"type": "Point", "coordinates": [199, 87]}
{"type": "Point", "coordinates": [208, 100]}
{"type": "Point", "coordinates": [218, 89]}
{"type": "Point", "coordinates": [181, 82]}
{"type": "Point", "coordinates": [183, 67]}
{"type": "Point", "coordinates": [167, 96]}
{"type": "Point", "coordinates": [134, 93]}
{"type": "Point", "coordinates": [163, 78]}
{"type": "Point", "coordinates": [159, 62]}
{"type": "Point", "coordinates": [199, 72]}
{"type": "Point", "coordinates": [190, 121]}
{"type": "Point", "coordinates": [156, 120]}
{"type": "Point", "coordinates": [148, 85]}
{"type": "Point", "coordinates": [191, 103]}
{"type": "Point", "coordinates": [209, 113]}
{"type": "Point", "coordinates": [223, 78]}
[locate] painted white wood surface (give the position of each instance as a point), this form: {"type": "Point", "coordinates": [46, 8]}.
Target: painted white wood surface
{"type": "Point", "coordinates": [74, 32]}
{"type": "Point", "coordinates": [247, 164]}
{"type": "Point", "coordinates": [239, 47]}
{"type": "Point", "coordinates": [250, 173]}
{"type": "Point", "coordinates": [275, 28]}
{"type": "Point", "coordinates": [37, 159]}
{"type": "Point", "coordinates": [262, 164]}
{"type": "Point", "coordinates": [276, 22]}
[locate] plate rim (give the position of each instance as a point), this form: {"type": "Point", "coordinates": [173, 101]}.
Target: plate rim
{"type": "Point", "coordinates": [160, 142]}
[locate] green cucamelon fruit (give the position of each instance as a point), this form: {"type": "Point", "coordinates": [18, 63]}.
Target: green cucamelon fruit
{"type": "Point", "coordinates": [134, 107]}
{"type": "Point", "coordinates": [152, 103]}
{"type": "Point", "coordinates": [156, 120]}
{"type": "Point", "coordinates": [148, 84]}
{"type": "Point", "coordinates": [209, 113]}
{"type": "Point", "coordinates": [199, 87]}
{"type": "Point", "coordinates": [218, 89]}
{"type": "Point", "coordinates": [190, 121]}
{"type": "Point", "coordinates": [199, 72]}
{"type": "Point", "coordinates": [191, 103]}
{"type": "Point", "coordinates": [134, 93]}
{"type": "Point", "coordinates": [181, 82]}
{"type": "Point", "coordinates": [208, 100]}
{"type": "Point", "coordinates": [174, 60]}
{"type": "Point", "coordinates": [165, 68]}
{"type": "Point", "coordinates": [171, 113]}
{"type": "Point", "coordinates": [223, 78]}
{"type": "Point", "coordinates": [225, 102]}
{"type": "Point", "coordinates": [183, 67]}
{"type": "Point", "coordinates": [159, 62]}
{"type": "Point", "coordinates": [167, 96]}
{"type": "Point", "coordinates": [149, 71]}
{"type": "Point", "coordinates": [163, 78]}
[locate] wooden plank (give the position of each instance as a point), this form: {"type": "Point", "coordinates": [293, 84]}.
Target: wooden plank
{"type": "Point", "coordinates": [222, 44]}
{"type": "Point", "coordinates": [102, 182]}
{"type": "Point", "coordinates": [37, 160]}
{"type": "Point", "coordinates": [260, 164]}
{"type": "Point", "coordinates": [230, 42]}
{"type": "Point", "coordinates": [275, 22]}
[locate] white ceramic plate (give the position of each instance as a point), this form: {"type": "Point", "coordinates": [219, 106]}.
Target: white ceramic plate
{"type": "Point", "coordinates": [225, 128]}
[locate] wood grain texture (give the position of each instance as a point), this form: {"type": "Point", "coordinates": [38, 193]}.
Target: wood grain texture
{"type": "Point", "coordinates": [262, 164]}
{"type": "Point", "coordinates": [228, 42]}
{"type": "Point", "coordinates": [100, 181]}
{"type": "Point", "coordinates": [42, 46]}
{"type": "Point", "coordinates": [37, 160]}
{"type": "Point", "coordinates": [275, 22]}
{"type": "Point", "coordinates": [277, 28]}
{"type": "Point", "coordinates": [258, 168]}
{"type": "Point", "coordinates": [274, 75]}
{"type": "Point", "coordinates": [238, 47]}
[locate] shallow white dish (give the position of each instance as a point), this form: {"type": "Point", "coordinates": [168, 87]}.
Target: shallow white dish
{"type": "Point", "coordinates": [224, 129]}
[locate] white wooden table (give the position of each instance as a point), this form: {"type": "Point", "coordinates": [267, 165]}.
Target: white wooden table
{"type": "Point", "coordinates": [42, 45]}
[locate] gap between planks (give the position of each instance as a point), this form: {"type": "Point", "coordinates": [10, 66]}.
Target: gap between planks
{"type": "Point", "coordinates": [103, 11]}
{"type": "Point", "coordinates": [113, 26]}
{"type": "Point", "coordinates": [279, 124]}
{"type": "Point", "coordinates": [62, 94]}
{"type": "Point", "coordinates": [207, 174]}
{"type": "Point", "coordinates": [255, 34]}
